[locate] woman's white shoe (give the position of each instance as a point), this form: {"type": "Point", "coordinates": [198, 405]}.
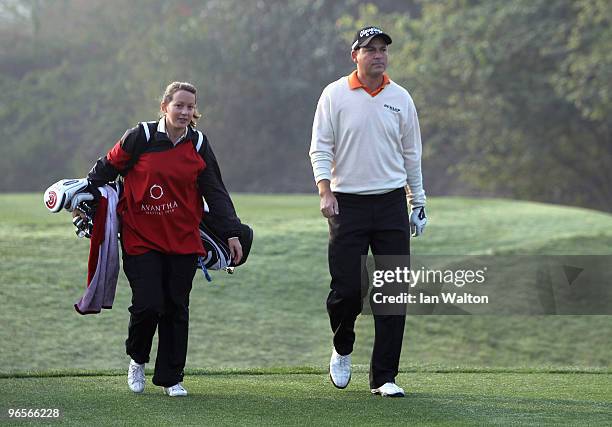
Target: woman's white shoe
{"type": "Point", "coordinates": [136, 377]}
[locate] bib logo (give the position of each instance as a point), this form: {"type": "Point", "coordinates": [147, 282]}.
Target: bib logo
{"type": "Point", "coordinates": [156, 191]}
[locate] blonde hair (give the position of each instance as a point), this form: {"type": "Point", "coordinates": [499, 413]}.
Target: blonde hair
{"type": "Point", "coordinates": [173, 88]}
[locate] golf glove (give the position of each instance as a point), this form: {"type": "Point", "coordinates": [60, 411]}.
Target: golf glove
{"type": "Point", "coordinates": [418, 219]}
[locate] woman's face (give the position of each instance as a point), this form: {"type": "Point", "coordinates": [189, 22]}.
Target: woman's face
{"type": "Point", "coordinates": [179, 111]}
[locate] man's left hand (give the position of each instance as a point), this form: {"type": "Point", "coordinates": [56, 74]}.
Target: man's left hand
{"type": "Point", "coordinates": [418, 220]}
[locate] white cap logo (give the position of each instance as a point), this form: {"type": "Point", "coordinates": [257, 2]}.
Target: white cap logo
{"type": "Point", "coordinates": [369, 31]}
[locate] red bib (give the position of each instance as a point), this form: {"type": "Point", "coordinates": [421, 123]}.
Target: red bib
{"type": "Point", "coordinates": [161, 205]}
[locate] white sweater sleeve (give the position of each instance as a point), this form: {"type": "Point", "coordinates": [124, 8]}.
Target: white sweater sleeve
{"type": "Point", "coordinates": [411, 151]}
{"type": "Point", "coordinates": [322, 142]}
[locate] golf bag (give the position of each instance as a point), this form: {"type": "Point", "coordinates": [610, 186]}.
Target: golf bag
{"type": "Point", "coordinates": [218, 255]}
{"type": "Point", "coordinates": [71, 194]}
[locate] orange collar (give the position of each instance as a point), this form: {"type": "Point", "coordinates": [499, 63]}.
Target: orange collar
{"type": "Point", "coordinates": [355, 83]}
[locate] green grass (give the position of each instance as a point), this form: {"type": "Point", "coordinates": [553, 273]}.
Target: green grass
{"type": "Point", "coordinates": [259, 339]}
{"type": "Point", "coordinates": [502, 398]}
{"type": "Point", "coordinates": [271, 312]}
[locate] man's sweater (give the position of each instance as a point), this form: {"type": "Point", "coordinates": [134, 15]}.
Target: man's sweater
{"type": "Point", "coordinates": [365, 144]}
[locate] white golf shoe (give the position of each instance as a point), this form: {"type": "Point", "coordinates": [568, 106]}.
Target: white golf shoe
{"type": "Point", "coordinates": [389, 390]}
{"type": "Point", "coordinates": [176, 390]}
{"type": "Point", "coordinates": [340, 369]}
{"type": "Point", "coordinates": [136, 377]}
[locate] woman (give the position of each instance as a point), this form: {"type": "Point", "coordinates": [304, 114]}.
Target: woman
{"type": "Point", "coordinates": [160, 209]}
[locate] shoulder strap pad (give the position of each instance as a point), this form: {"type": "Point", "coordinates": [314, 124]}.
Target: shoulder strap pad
{"type": "Point", "coordinates": [200, 140]}
{"type": "Point", "coordinates": [140, 147]}
{"type": "Point", "coordinates": [145, 126]}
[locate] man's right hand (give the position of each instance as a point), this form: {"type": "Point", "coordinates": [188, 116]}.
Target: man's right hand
{"type": "Point", "coordinates": [329, 204]}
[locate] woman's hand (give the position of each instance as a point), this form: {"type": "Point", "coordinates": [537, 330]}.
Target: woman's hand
{"type": "Point", "coordinates": [77, 212]}
{"type": "Point", "coordinates": [235, 249]}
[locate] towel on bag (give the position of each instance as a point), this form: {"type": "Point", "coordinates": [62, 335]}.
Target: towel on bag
{"type": "Point", "coordinates": [103, 264]}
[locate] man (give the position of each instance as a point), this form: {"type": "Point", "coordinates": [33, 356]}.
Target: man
{"type": "Point", "coordinates": [365, 150]}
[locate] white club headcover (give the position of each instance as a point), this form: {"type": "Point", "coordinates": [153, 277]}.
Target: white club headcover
{"type": "Point", "coordinates": [61, 194]}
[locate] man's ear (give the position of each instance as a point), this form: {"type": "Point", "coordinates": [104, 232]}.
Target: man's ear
{"type": "Point", "coordinates": [354, 56]}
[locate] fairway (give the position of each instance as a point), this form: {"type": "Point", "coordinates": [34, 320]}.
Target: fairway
{"type": "Point", "coordinates": [274, 306]}
{"type": "Point", "coordinates": [498, 398]}
{"type": "Point", "coordinates": [271, 314]}
{"type": "Point", "coordinates": [485, 398]}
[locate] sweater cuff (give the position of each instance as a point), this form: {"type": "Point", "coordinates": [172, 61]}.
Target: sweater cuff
{"type": "Point", "coordinates": [320, 176]}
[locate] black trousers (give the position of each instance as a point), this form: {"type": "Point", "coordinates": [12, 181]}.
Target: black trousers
{"type": "Point", "coordinates": [160, 284]}
{"type": "Point", "coordinates": [379, 222]}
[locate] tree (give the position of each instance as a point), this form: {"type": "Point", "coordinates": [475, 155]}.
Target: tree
{"type": "Point", "coordinates": [513, 94]}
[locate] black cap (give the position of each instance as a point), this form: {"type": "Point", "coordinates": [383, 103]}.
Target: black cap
{"type": "Point", "coordinates": [366, 34]}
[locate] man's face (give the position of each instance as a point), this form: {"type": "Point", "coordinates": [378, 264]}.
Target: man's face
{"type": "Point", "coordinates": [372, 59]}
